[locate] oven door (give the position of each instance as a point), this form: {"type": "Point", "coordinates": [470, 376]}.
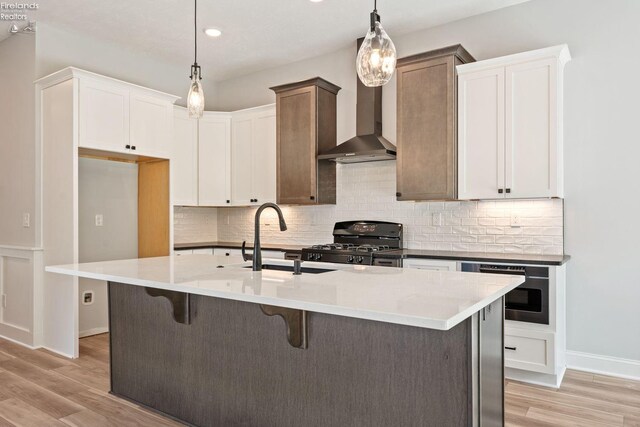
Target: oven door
{"type": "Point", "coordinates": [529, 302]}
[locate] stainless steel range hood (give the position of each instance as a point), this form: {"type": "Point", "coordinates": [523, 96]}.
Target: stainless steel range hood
{"type": "Point", "coordinates": [368, 145]}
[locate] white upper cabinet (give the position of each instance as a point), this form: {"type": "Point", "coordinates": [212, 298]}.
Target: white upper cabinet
{"type": "Point", "coordinates": [150, 125]}
{"type": "Point", "coordinates": [120, 117]}
{"type": "Point", "coordinates": [184, 159]}
{"type": "Point", "coordinates": [481, 134]}
{"type": "Point", "coordinates": [104, 116]}
{"type": "Point", "coordinates": [225, 159]}
{"type": "Point", "coordinates": [510, 126]}
{"type": "Point", "coordinates": [531, 134]}
{"type": "Point", "coordinates": [241, 159]}
{"type": "Point", "coordinates": [253, 156]}
{"type": "Point", "coordinates": [214, 155]}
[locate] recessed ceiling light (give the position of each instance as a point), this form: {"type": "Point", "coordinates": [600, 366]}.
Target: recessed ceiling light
{"type": "Point", "coordinates": [315, 1]}
{"type": "Point", "coordinates": [212, 32]}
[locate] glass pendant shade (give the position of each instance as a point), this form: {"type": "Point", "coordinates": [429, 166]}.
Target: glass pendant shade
{"type": "Point", "coordinates": [195, 100]}
{"type": "Point", "coordinates": [376, 60]}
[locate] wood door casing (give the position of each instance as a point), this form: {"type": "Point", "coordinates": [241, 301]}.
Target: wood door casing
{"type": "Point", "coordinates": [426, 130]}
{"type": "Point", "coordinates": [296, 135]}
{"type": "Point", "coordinates": [153, 209]}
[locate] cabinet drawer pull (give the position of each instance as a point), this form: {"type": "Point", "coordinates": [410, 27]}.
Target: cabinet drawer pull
{"type": "Point", "coordinates": [500, 190]}
{"type": "Point", "coordinates": [510, 348]}
{"type": "Point", "coordinates": [312, 197]}
{"type": "Point", "coordinates": [398, 194]}
{"type": "Point", "coordinates": [127, 146]}
{"type": "Point", "coordinates": [508, 190]}
{"type": "Point", "coordinates": [133, 147]}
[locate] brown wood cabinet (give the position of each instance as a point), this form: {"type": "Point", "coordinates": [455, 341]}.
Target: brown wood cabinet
{"type": "Point", "coordinates": [305, 125]}
{"type": "Point", "coordinates": [426, 124]}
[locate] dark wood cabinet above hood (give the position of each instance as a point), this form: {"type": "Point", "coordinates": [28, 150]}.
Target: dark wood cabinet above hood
{"type": "Point", "coordinates": [427, 124]}
{"type": "Point", "coordinates": [305, 125]}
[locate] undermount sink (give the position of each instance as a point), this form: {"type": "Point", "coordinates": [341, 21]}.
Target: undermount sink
{"type": "Point", "coordinates": [279, 267]}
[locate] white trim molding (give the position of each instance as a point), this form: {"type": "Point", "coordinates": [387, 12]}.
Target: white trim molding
{"type": "Point", "coordinates": [20, 284]}
{"type": "Point", "coordinates": [606, 365]}
{"type": "Point", "coordinates": [93, 331]}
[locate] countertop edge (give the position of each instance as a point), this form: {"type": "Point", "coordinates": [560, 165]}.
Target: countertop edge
{"type": "Point", "coordinates": [400, 319]}
{"type": "Point", "coordinates": [531, 259]}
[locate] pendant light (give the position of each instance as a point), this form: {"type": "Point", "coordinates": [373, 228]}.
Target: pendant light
{"type": "Point", "coordinates": [376, 60]}
{"type": "Point", "coordinates": [195, 100]}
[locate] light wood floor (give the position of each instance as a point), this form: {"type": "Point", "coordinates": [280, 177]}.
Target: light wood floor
{"type": "Point", "coordinates": [38, 388]}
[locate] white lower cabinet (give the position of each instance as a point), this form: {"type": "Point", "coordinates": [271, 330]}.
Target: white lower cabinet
{"type": "Point", "coordinates": [203, 251]}
{"type": "Point", "coordinates": [227, 252]}
{"type": "Point", "coordinates": [529, 350]}
{"type": "Point", "coordinates": [430, 264]}
{"type": "Point", "coordinates": [179, 252]}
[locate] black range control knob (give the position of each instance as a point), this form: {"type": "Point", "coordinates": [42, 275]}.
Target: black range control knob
{"type": "Point", "coordinates": [350, 258]}
{"type": "Point", "coordinates": [359, 260]}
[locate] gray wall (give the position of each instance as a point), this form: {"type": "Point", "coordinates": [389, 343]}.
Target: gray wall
{"type": "Point", "coordinates": [58, 48]}
{"type": "Point", "coordinates": [601, 143]}
{"type": "Point", "coordinates": [111, 189]}
{"type": "Point", "coordinates": [17, 140]}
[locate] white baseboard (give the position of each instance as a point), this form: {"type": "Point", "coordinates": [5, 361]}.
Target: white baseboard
{"type": "Point", "coordinates": [94, 331]}
{"type": "Point", "coordinates": [535, 378]}
{"type": "Point", "coordinates": [68, 356]}
{"type": "Point", "coordinates": [605, 365]}
{"type": "Point", "coordinates": [30, 347]}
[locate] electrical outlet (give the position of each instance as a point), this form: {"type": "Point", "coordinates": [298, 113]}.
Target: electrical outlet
{"type": "Point", "coordinates": [436, 218]}
{"type": "Point", "coordinates": [99, 220]}
{"type": "Point", "coordinates": [26, 220]}
{"type": "Point", "coordinates": [87, 298]}
{"type": "Point", "coordinates": [515, 220]}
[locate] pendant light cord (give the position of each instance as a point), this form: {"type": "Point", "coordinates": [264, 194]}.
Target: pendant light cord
{"type": "Point", "coordinates": [195, 30]}
{"type": "Point", "coordinates": [375, 5]}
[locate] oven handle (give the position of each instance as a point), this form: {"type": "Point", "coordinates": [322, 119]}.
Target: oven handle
{"type": "Point", "coordinates": [501, 271]}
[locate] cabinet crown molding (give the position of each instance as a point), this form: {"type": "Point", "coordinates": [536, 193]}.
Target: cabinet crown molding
{"type": "Point", "coordinates": [454, 50]}
{"type": "Point", "coordinates": [316, 81]}
{"type": "Point", "coordinates": [73, 72]}
{"type": "Point", "coordinates": [561, 52]}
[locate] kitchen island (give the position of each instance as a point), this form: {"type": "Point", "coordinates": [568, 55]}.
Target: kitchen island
{"type": "Point", "coordinates": [207, 341]}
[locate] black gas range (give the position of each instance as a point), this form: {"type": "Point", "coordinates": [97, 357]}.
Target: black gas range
{"type": "Point", "coordinates": [360, 242]}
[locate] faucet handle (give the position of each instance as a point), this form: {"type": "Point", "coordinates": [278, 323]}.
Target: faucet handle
{"type": "Point", "coordinates": [245, 256]}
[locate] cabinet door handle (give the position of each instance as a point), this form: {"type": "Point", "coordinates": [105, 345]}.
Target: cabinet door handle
{"type": "Point", "coordinates": [228, 201]}
{"type": "Point", "coordinates": [508, 190]}
{"type": "Point", "coordinates": [255, 200]}
{"type": "Point", "coordinates": [127, 146]}
{"type": "Point", "coordinates": [510, 348]}
{"type": "Point", "coordinates": [398, 194]}
{"type": "Point", "coordinates": [500, 190]}
{"type": "Point", "coordinates": [133, 147]}
{"type": "Point", "coordinates": [312, 197]}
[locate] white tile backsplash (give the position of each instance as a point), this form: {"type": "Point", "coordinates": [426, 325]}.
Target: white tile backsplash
{"type": "Point", "coordinates": [195, 224]}
{"type": "Point", "coordinates": [366, 191]}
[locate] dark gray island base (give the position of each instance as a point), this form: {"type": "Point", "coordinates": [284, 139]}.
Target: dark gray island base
{"type": "Point", "coordinates": [222, 362]}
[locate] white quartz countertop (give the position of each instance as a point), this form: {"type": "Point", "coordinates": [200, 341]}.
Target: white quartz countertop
{"type": "Point", "coordinates": [421, 298]}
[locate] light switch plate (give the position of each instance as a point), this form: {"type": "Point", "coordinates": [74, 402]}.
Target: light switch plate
{"type": "Point", "coordinates": [26, 220]}
{"type": "Point", "coordinates": [436, 218]}
{"type": "Point", "coordinates": [99, 220]}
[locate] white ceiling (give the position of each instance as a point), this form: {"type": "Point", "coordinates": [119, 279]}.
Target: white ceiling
{"type": "Point", "coordinates": [257, 34]}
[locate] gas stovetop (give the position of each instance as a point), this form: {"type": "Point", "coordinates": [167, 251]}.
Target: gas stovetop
{"type": "Point", "coordinates": [358, 242]}
{"type": "Point", "coordinates": [349, 247]}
